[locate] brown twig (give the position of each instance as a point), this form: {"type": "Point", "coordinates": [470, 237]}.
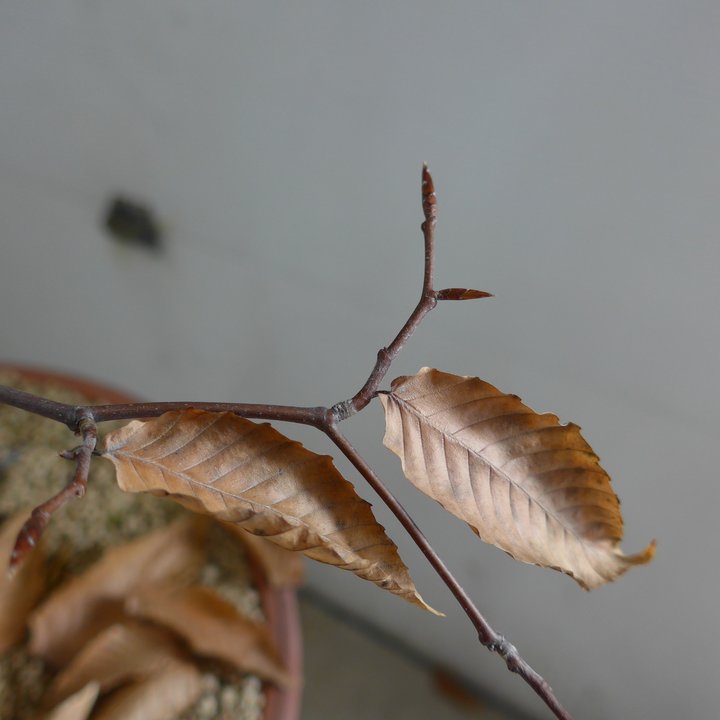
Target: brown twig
{"type": "Point", "coordinates": [71, 415]}
{"type": "Point", "coordinates": [61, 412]}
{"type": "Point", "coordinates": [428, 300]}
{"type": "Point", "coordinates": [32, 530]}
{"type": "Point", "coordinates": [492, 640]}
{"type": "Point", "coordinates": [83, 419]}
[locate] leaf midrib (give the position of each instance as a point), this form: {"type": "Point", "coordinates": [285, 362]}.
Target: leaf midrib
{"type": "Point", "coordinates": [405, 405]}
{"type": "Point", "coordinates": [223, 493]}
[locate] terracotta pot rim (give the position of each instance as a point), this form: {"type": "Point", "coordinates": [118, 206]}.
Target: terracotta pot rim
{"type": "Point", "coordinates": [279, 604]}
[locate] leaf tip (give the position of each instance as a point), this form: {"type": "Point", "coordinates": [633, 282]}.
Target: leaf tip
{"type": "Point", "coordinates": [417, 600]}
{"type": "Point", "coordinates": [644, 556]}
{"type": "Point", "coordinates": [622, 564]}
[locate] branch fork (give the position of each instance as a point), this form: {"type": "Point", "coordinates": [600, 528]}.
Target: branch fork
{"type": "Point", "coordinates": [83, 420]}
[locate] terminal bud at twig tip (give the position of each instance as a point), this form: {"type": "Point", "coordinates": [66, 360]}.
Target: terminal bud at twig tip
{"type": "Point", "coordinates": [429, 199]}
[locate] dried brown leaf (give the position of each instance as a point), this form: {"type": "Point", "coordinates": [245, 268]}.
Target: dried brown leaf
{"type": "Point", "coordinates": [121, 652]}
{"type": "Point", "coordinates": [281, 567]}
{"type": "Point", "coordinates": [521, 480]}
{"type": "Point", "coordinates": [77, 706]}
{"type": "Point", "coordinates": [212, 627]}
{"type": "Point", "coordinates": [86, 604]}
{"type": "Point", "coordinates": [161, 696]}
{"type": "Point", "coordinates": [19, 592]}
{"type": "Point", "coordinates": [251, 475]}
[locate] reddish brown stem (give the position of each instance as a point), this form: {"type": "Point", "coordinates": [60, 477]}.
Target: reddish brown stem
{"type": "Point", "coordinates": [71, 415]}
{"type": "Point", "coordinates": [492, 640]}
{"type": "Point", "coordinates": [32, 530]}
{"type": "Point", "coordinates": [61, 412]}
{"type": "Point", "coordinates": [428, 300]}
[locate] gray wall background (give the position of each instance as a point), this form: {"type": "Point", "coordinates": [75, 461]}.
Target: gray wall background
{"type": "Point", "coordinates": [575, 148]}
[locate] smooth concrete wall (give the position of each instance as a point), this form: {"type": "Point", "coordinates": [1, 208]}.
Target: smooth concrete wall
{"type": "Point", "coordinates": [575, 148]}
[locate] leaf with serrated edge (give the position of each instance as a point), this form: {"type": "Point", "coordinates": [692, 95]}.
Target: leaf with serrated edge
{"type": "Point", "coordinates": [128, 650]}
{"type": "Point", "coordinates": [162, 696]}
{"type": "Point", "coordinates": [521, 480]}
{"type": "Point", "coordinates": [19, 593]}
{"type": "Point", "coordinates": [77, 706]}
{"type": "Point", "coordinates": [212, 627]}
{"type": "Point", "coordinates": [249, 474]}
{"type": "Point", "coordinates": [86, 604]}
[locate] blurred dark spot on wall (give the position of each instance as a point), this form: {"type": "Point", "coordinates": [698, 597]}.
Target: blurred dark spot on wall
{"type": "Point", "coordinates": [132, 223]}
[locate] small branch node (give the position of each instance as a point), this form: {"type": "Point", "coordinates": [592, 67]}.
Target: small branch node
{"type": "Point", "coordinates": [86, 424]}
{"type": "Point", "coordinates": [74, 418]}
{"type": "Point", "coordinates": [507, 651]}
{"type": "Point", "coordinates": [342, 411]}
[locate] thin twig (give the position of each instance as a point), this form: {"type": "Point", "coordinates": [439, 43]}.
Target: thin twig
{"type": "Point", "coordinates": [427, 302]}
{"type": "Point", "coordinates": [32, 530]}
{"type": "Point", "coordinates": [70, 415]}
{"type": "Point", "coordinates": [429, 298]}
{"type": "Point", "coordinates": [60, 412]}
{"type": "Point", "coordinates": [492, 640]}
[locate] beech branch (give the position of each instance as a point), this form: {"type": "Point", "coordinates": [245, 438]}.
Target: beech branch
{"type": "Point", "coordinates": [71, 415]}
{"type": "Point", "coordinates": [428, 300]}
{"type": "Point", "coordinates": [34, 527]}
{"type": "Point", "coordinates": [83, 419]}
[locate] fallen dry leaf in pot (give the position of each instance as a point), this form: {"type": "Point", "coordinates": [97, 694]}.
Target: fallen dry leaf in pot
{"type": "Point", "coordinates": [162, 696]}
{"type": "Point", "coordinates": [19, 593]}
{"type": "Point", "coordinates": [249, 474]}
{"type": "Point", "coordinates": [213, 628]}
{"type": "Point", "coordinates": [88, 603]}
{"type": "Point", "coordinates": [121, 652]}
{"type": "Point", "coordinates": [78, 706]}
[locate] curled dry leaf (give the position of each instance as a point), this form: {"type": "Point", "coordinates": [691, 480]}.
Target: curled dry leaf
{"type": "Point", "coordinates": [161, 696]}
{"type": "Point", "coordinates": [77, 706]}
{"type": "Point", "coordinates": [281, 567]}
{"type": "Point", "coordinates": [212, 627]}
{"type": "Point", "coordinates": [249, 474]}
{"type": "Point", "coordinates": [121, 652]}
{"type": "Point", "coordinates": [19, 592]}
{"type": "Point", "coordinates": [86, 604]}
{"type": "Point", "coordinates": [521, 480]}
